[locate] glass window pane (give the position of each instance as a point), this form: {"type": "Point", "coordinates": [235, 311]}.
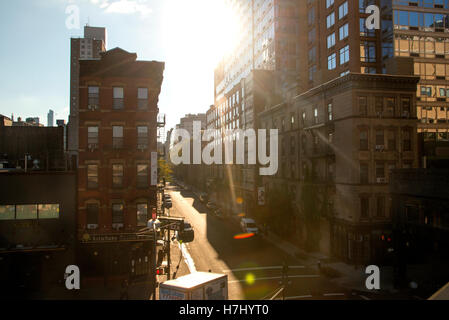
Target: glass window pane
{"type": "Point", "coordinates": [26, 212]}
{"type": "Point", "coordinates": [7, 212]}
{"type": "Point", "coordinates": [142, 93]}
{"type": "Point", "coordinates": [117, 132]}
{"type": "Point", "coordinates": [118, 93]}
{"type": "Point", "coordinates": [49, 211]}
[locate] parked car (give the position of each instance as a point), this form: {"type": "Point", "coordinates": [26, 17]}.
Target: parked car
{"type": "Point", "coordinates": [187, 235]}
{"type": "Point", "coordinates": [204, 198]}
{"type": "Point", "coordinates": [249, 226]}
{"type": "Point", "coordinates": [168, 204]}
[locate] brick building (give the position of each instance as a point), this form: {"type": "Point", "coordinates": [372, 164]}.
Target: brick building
{"type": "Point", "coordinates": [117, 173]}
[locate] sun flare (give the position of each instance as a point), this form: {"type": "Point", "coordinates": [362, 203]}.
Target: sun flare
{"type": "Point", "coordinates": [202, 31]}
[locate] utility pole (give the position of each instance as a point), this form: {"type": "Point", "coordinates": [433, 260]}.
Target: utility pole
{"type": "Point", "coordinates": [168, 253]}
{"type": "Point", "coordinates": [154, 259]}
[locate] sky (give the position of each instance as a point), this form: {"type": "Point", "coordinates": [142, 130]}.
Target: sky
{"type": "Point", "coordinates": [190, 36]}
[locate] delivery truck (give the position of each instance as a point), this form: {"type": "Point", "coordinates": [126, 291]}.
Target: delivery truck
{"type": "Point", "coordinates": [195, 286]}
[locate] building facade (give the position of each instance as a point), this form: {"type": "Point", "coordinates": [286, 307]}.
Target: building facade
{"type": "Point", "coordinates": [117, 173]}
{"type": "Point", "coordinates": [334, 134]}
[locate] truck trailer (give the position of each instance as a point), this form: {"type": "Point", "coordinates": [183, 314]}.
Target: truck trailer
{"type": "Point", "coordinates": [195, 286]}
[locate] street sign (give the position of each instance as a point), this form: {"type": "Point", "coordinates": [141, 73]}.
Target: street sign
{"type": "Point", "coordinates": [172, 223]}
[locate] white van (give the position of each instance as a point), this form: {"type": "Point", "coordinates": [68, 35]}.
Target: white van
{"type": "Point", "coordinates": [249, 226]}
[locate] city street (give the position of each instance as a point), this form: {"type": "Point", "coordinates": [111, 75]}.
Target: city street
{"type": "Point", "coordinates": [254, 266]}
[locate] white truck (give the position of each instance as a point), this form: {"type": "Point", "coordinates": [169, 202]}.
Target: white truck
{"type": "Point", "coordinates": [195, 286]}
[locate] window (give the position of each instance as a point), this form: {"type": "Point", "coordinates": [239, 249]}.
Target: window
{"type": "Point", "coordinates": [380, 170]}
{"type": "Point", "coordinates": [26, 212]}
{"type": "Point", "coordinates": [118, 98]}
{"type": "Point", "coordinates": [117, 213]}
{"type": "Point", "coordinates": [312, 54]}
{"type": "Point", "coordinates": [426, 91]}
{"type": "Point", "coordinates": [363, 106]}
{"type": "Point", "coordinates": [368, 51]}
{"type": "Point", "coordinates": [117, 137]}
{"type": "Point", "coordinates": [142, 176]}
{"type": "Point", "coordinates": [7, 212]}
{"type": "Point", "coordinates": [142, 98]}
{"type": "Point", "coordinates": [92, 136]}
{"type": "Point", "coordinates": [312, 71]}
{"type": "Point", "coordinates": [332, 61]}
{"type": "Point", "coordinates": [406, 142]}
{"type": "Point", "coordinates": [329, 3]}
{"type": "Point", "coordinates": [142, 214]}
{"type": "Point", "coordinates": [364, 173]}
{"type": "Point", "coordinates": [344, 55]}
{"type": "Point", "coordinates": [379, 105]}
{"type": "Point", "coordinates": [330, 20]}
{"type": "Point", "coordinates": [331, 40]}
{"type": "Point", "coordinates": [343, 32]}
{"type": "Point", "coordinates": [48, 211]}
{"type": "Point", "coordinates": [93, 96]}
{"type": "Point", "coordinates": [405, 102]}
{"type": "Point", "coordinates": [380, 212]}
{"type": "Point", "coordinates": [390, 104]}
{"type": "Point", "coordinates": [303, 117]}
{"type": "Point", "coordinates": [142, 137]}
{"type": "Point", "coordinates": [117, 175]}
{"type": "Point", "coordinates": [92, 214]}
{"type": "Point", "coordinates": [364, 207]}
{"type": "Point", "coordinates": [343, 10]}
{"type": "Point", "coordinates": [391, 140]}
{"type": "Point", "coordinates": [311, 17]}
{"type": "Point", "coordinates": [379, 138]}
{"type": "Point", "coordinates": [364, 140]}
{"type": "Point", "coordinates": [315, 115]}
{"type": "Point", "coordinates": [92, 176]}
{"type": "Point", "coordinates": [329, 112]}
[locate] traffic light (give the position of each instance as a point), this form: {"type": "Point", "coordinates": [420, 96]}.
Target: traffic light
{"type": "Point", "coordinates": [160, 271]}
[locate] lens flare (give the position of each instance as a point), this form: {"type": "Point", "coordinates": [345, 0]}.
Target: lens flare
{"type": "Point", "coordinates": [250, 278]}
{"type": "Point", "coordinates": [243, 236]}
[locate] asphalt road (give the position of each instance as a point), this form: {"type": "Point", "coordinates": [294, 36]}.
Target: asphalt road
{"type": "Point", "coordinates": [253, 265]}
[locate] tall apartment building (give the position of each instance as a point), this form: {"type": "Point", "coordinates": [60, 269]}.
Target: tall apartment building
{"type": "Point", "coordinates": [50, 118]}
{"type": "Point", "coordinates": [187, 121]}
{"type": "Point", "coordinates": [117, 173]}
{"type": "Point", "coordinates": [413, 39]}
{"type": "Point", "coordinates": [87, 48]}
{"type": "Point", "coordinates": [266, 55]}
{"type": "Point", "coordinates": [421, 48]}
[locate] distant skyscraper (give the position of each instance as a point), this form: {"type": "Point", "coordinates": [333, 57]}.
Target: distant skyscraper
{"type": "Point", "coordinates": [87, 48]}
{"type": "Point", "coordinates": [50, 117]}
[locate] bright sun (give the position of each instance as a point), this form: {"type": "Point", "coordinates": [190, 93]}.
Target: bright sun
{"type": "Point", "coordinates": [201, 31]}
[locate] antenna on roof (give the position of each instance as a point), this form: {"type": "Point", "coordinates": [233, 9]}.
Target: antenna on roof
{"type": "Point", "coordinates": [88, 22]}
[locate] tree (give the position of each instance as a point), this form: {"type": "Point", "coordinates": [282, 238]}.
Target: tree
{"type": "Point", "coordinates": [165, 170]}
